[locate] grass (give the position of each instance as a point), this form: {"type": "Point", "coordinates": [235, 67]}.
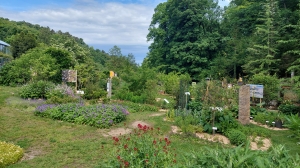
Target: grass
{"type": "Point", "coordinates": [53, 143]}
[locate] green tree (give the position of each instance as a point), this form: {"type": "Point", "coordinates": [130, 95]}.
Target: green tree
{"type": "Point", "coordinates": [263, 52]}
{"type": "Point", "coordinates": [184, 35]}
{"type": "Point", "coordinates": [21, 43]}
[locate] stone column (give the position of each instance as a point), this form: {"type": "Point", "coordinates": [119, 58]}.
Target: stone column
{"type": "Point", "coordinates": [244, 104]}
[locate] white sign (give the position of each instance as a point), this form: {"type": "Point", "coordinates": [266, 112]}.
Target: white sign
{"type": "Point", "coordinates": [214, 128]}
{"type": "Point", "coordinates": [217, 108]}
{"type": "Point", "coordinates": [256, 91]}
{"type": "Point", "coordinates": [187, 93]}
{"type": "Point", "coordinates": [80, 92]}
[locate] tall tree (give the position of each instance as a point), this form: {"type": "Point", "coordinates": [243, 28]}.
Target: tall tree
{"type": "Point", "coordinates": [263, 52]}
{"type": "Point", "coordinates": [184, 35]}
{"type": "Point", "coordinates": [21, 43]}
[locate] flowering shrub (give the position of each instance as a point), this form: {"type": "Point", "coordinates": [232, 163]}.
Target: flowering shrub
{"type": "Point", "coordinates": [101, 116]}
{"type": "Point", "coordinates": [61, 94]}
{"type": "Point", "coordinates": [9, 154]}
{"type": "Point", "coordinates": [142, 148]}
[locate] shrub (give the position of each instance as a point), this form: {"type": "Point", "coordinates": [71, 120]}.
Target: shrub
{"type": "Point", "coordinates": [93, 91]}
{"type": "Point", "coordinates": [142, 148]}
{"type": "Point", "coordinates": [101, 116]}
{"type": "Point", "coordinates": [195, 105]}
{"type": "Point", "coordinates": [9, 154]}
{"type": "Point", "coordinates": [188, 124]}
{"type": "Point", "coordinates": [236, 137]}
{"type": "Point", "coordinates": [61, 94]}
{"type": "Point", "coordinates": [36, 89]}
{"type": "Point", "coordinates": [289, 109]}
{"type": "Point", "coordinates": [262, 117]}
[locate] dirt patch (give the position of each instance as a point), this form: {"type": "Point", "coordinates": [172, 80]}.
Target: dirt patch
{"type": "Point", "coordinates": [136, 123]}
{"type": "Point", "coordinates": [260, 143]}
{"type": "Point", "coordinates": [123, 131]}
{"type": "Point", "coordinates": [213, 138]}
{"type": "Point", "coordinates": [156, 114]}
{"type": "Point", "coordinates": [265, 126]}
{"type": "Point", "coordinates": [30, 154]}
{"type": "Point", "coordinates": [117, 132]}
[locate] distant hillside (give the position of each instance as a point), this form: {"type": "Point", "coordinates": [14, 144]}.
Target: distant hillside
{"type": "Point", "coordinates": [47, 36]}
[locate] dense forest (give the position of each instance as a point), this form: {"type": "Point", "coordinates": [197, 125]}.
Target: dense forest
{"type": "Point", "coordinates": [245, 38]}
{"type": "Point", "coordinates": [194, 38]}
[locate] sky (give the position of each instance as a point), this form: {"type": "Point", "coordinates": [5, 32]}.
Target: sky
{"type": "Point", "coordinates": [100, 23]}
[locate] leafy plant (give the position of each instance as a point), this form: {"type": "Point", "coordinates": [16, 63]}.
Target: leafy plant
{"type": "Point", "coordinates": [36, 89]}
{"type": "Point", "coordinates": [101, 116]}
{"type": "Point", "coordinates": [137, 107]}
{"type": "Point", "coordinates": [93, 91]}
{"type": "Point", "coordinates": [142, 148]}
{"type": "Point", "coordinates": [266, 116]}
{"type": "Point", "coordinates": [293, 123]}
{"type": "Point", "coordinates": [241, 157]}
{"type": "Point", "coordinates": [236, 137]}
{"type": "Point", "coordinates": [61, 94]}
{"type": "Point", "coordinates": [9, 154]}
{"type": "Point", "coordinates": [188, 124]}
{"type": "Point", "coordinates": [289, 109]}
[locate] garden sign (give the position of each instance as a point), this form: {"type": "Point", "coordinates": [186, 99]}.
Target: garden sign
{"type": "Point", "coordinates": [256, 91]}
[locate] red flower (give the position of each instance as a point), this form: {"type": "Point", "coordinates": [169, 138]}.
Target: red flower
{"type": "Point", "coordinates": [116, 139]}
{"type": "Point", "coordinates": [119, 157]}
{"type": "Point", "coordinates": [174, 161]}
{"type": "Point", "coordinates": [168, 142]}
{"type": "Point", "coordinates": [154, 142]}
{"type": "Point", "coordinates": [166, 139]}
{"type": "Point", "coordinates": [140, 126]}
{"type": "Point", "coordinates": [126, 164]}
{"type": "Point", "coordinates": [128, 139]}
{"type": "Point", "coordinates": [135, 149]}
{"type": "Point", "coordinates": [125, 146]}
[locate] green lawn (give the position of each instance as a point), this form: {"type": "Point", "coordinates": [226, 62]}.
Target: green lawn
{"type": "Point", "coordinates": [50, 143]}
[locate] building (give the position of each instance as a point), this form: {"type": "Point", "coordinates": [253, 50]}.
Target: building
{"type": "Point", "coordinates": [5, 49]}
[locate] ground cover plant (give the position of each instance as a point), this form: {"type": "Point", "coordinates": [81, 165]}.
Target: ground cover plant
{"type": "Point", "coordinates": [242, 157]}
{"type": "Point", "coordinates": [101, 116]}
{"type": "Point", "coordinates": [9, 154]}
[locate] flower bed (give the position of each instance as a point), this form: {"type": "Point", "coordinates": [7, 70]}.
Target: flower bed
{"type": "Point", "coordinates": [101, 116]}
{"type": "Point", "coordinates": [142, 148]}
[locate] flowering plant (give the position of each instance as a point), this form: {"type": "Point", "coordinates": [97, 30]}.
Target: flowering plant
{"type": "Point", "coordinates": [101, 116]}
{"type": "Point", "coordinates": [143, 148]}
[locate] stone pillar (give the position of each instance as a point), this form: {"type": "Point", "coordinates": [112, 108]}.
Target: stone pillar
{"type": "Point", "coordinates": [244, 104]}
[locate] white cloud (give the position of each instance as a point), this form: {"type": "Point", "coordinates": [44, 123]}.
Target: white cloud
{"type": "Point", "coordinates": [96, 23]}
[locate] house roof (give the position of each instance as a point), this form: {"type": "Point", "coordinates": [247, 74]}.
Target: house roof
{"type": "Point", "coordinates": [3, 43]}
